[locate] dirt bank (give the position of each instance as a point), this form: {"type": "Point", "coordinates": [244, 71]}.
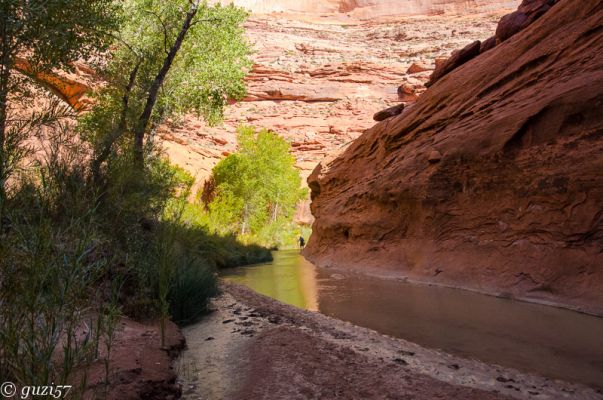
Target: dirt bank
{"type": "Point", "coordinates": [253, 347]}
{"type": "Point", "coordinates": [138, 367]}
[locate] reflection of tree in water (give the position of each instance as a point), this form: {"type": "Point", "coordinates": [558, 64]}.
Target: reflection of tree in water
{"type": "Point", "coordinates": [289, 278]}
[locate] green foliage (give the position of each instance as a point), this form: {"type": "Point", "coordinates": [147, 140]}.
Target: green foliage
{"type": "Point", "coordinates": [207, 71]}
{"type": "Point", "coordinates": [142, 213]}
{"type": "Point", "coordinates": [53, 33]}
{"type": "Point", "coordinates": [48, 264]}
{"type": "Point", "coordinates": [256, 188]}
{"type": "Point", "coordinates": [82, 245]}
{"type": "Point", "coordinates": [143, 206]}
{"type": "Point", "coordinates": [224, 250]}
{"type": "Point", "coordinates": [211, 65]}
{"type": "Point", "coordinates": [47, 274]}
{"type": "Point", "coordinates": [67, 259]}
{"type": "Point", "coordinates": [193, 284]}
{"type": "Point", "coordinates": [50, 34]}
{"type": "Point", "coordinates": [282, 234]}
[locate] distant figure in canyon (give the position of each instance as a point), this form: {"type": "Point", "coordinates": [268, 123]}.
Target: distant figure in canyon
{"type": "Point", "coordinates": [302, 243]}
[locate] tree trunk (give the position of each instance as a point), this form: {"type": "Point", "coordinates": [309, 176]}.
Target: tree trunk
{"type": "Point", "coordinates": [275, 209]}
{"type": "Point", "coordinates": [143, 121]}
{"type": "Point", "coordinates": [245, 216]}
{"type": "Point", "coordinates": [275, 212]}
{"type": "Point", "coordinates": [3, 117]}
{"type": "Point", "coordinates": [7, 59]}
{"type": "Point", "coordinates": [118, 131]}
{"type": "Point", "coordinates": [4, 83]}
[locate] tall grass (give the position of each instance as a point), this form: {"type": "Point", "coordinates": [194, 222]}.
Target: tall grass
{"type": "Point", "coordinates": [48, 265]}
{"type": "Point", "coordinates": [187, 258]}
{"type": "Point", "coordinates": [75, 257]}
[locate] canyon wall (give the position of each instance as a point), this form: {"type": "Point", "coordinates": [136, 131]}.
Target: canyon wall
{"type": "Point", "coordinates": [317, 82]}
{"type": "Point", "coordinates": [317, 79]}
{"type": "Point", "coordinates": [492, 181]}
{"type": "Point", "coordinates": [373, 8]}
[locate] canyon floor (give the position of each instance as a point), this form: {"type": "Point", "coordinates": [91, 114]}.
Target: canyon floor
{"type": "Point", "coordinates": [318, 80]}
{"type": "Point", "coordinates": [253, 347]}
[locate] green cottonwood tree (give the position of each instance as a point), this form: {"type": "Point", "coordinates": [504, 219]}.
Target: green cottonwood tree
{"type": "Point", "coordinates": [256, 185]}
{"type": "Point", "coordinates": [50, 34]}
{"type": "Point", "coordinates": [172, 57]}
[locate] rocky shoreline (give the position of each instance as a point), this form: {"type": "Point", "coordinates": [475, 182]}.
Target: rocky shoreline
{"type": "Point", "coordinates": [254, 347]}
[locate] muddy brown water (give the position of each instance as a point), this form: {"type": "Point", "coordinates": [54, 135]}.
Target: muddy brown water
{"type": "Point", "coordinates": [548, 341]}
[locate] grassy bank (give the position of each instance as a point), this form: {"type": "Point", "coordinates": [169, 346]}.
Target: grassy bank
{"type": "Point", "coordinates": [92, 223]}
{"type": "Point", "coordinates": [75, 259]}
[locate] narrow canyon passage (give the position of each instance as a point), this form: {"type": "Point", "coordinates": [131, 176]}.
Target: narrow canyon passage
{"type": "Point", "coordinates": [436, 165]}
{"type": "Point", "coordinates": [488, 181]}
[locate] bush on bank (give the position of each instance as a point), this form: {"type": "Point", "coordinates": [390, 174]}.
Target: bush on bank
{"type": "Point", "coordinates": [91, 223]}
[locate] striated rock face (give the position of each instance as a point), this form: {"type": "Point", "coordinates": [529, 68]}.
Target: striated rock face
{"type": "Point", "coordinates": [318, 81]}
{"type": "Point", "coordinates": [315, 81]}
{"type": "Point", "coordinates": [491, 181]}
{"type": "Point", "coordinates": [372, 8]}
{"type": "Point", "coordinates": [528, 12]}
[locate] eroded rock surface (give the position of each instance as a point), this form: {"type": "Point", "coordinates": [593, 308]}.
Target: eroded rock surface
{"type": "Point", "coordinates": [317, 81]}
{"type": "Point", "coordinates": [512, 203]}
{"type": "Point", "coordinates": [510, 24]}
{"type": "Point", "coordinates": [319, 77]}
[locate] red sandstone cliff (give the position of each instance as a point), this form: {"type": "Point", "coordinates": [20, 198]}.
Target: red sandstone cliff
{"type": "Point", "coordinates": [316, 82]}
{"type": "Point", "coordinates": [492, 181]}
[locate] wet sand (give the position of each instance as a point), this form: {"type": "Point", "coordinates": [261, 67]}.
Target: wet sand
{"type": "Point", "coordinates": [253, 347]}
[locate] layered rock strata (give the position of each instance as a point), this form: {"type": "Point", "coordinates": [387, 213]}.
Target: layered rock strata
{"type": "Point", "coordinates": [317, 81]}
{"type": "Point", "coordinates": [373, 8]}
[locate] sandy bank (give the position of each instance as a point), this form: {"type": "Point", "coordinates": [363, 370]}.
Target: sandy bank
{"type": "Point", "coordinates": [253, 347]}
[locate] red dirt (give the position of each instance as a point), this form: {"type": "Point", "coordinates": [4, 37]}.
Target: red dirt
{"type": "Point", "coordinates": [286, 363]}
{"type": "Point", "coordinates": [139, 368]}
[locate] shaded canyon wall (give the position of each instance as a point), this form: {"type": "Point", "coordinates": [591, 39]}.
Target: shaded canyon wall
{"type": "Point", "coordinates": [491, 181]}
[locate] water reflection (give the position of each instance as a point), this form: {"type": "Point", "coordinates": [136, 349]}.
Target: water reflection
{"type": "Point", "coordinates": [529, 337]}
{"type": "Point", "coordinates": [289, 278]}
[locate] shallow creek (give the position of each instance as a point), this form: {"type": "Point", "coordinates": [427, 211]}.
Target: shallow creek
{"type": "Point", "coordinates": [548, 341]}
